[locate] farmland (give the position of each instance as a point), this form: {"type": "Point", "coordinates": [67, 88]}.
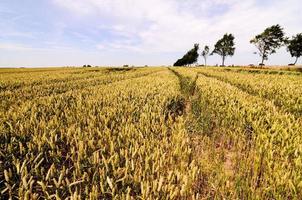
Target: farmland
{"type": "Point", "coordinates": [150, 133]}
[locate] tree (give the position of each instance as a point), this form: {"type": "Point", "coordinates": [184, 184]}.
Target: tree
{"type": "Point", "coordinates": [189, 58]}
{"type": "Point", "coordinates": [205, 54]}
{"type": "Point", "coordinates": [267, 42]}
{"type": "Point", "coordinates": [225, 47]}
{"type": "Point", "coordinates": [295, 47]}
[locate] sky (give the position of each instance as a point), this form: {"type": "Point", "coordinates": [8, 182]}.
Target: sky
{"type": "Point", "coordinates": [40, 33]}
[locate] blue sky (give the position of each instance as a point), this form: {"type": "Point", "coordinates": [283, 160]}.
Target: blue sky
{"type": "Point", "coordinates": [135, 32]}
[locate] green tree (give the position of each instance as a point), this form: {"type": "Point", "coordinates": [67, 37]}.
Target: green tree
{"type": "Point", "coordinates": [268, 41]}
{"type": "Point", "coordinates": [189, 58]}
{"type": "Point", "coordinates": [225, 47]}
{"type": "Point", "coordinates": [295, 47]}
{"type": "Point", "coordinates": [205, 53]}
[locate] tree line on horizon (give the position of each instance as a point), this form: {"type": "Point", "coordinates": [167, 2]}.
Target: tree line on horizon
{"type": "Point", "coordinates": [267, 42]}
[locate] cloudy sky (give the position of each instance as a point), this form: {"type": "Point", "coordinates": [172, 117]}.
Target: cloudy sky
{"type": "Point", "coordinates": [136, 32]}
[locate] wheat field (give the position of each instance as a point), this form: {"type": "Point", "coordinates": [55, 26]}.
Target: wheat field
{"type": "Point", "coordinates": [150, 133]}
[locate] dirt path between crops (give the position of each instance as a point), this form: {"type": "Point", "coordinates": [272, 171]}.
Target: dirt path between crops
{"type": "Point", "coordinates": [215, 153]}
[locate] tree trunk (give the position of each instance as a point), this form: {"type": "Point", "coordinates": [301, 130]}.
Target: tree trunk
{"type": "Point", "coordinates": [296, 61]}
{"type": "Point", "coordinates": [262, 62]}
{"type": "Point", "coordinates": [223, 59]}
{"type": "Point", "coordinates": [205, 61]}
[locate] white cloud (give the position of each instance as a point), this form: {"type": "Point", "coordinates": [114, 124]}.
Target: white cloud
{"type": "Point", "coordinates": [14, 47]}
{"type": "Point", "coordinates": [171, 25]}
{"type": "Point", "coordinates": [154, 27]}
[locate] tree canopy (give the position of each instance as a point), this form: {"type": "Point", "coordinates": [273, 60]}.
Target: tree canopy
{"type": "Point", "coordinates": [225, 47]}
{"type": "Point", "coordinates": [268, 41]}
{"type": "Point", "coordinates": [295, 46]}
{"type": "Point", "coordinates": [189, 58]}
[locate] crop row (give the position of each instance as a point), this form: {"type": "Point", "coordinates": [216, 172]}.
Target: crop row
{"type": "Point", "coordinates": [283, 90]}
{"type": "Point", "coordinates": [114, 141]}
{"type": "Point", "coordinates": [10, 98]}
{"type": "Point", "coordinates": [265, 142]}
